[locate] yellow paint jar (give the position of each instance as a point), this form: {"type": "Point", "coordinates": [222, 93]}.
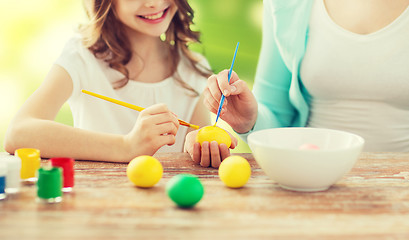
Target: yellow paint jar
{"type": "Point", "coordinates": [30, 163]}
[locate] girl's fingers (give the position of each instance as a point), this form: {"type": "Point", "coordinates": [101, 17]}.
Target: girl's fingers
{"type": "Point", "coordinates": [210, 154]}
{"type": "Point", "coordinates": [215, 154]}
{"type": "Point", "coordinates": [196, 153]}
{"type": "Point", "coordinates": [162, 140]}
{"type": "Point", "coordinates": [192, 147]}
{"type": "Point", "coordinates": [234, 141]}
{"type": "Point", "coordinates": [159, 129]}
{"type": "Point", "coordinates": [155, 109]}
{"type": "Point", "coordinates": [168, 139]}
{"type": "Point", "coordinates": [167, 128]}
{"type": "Point", "coordinates": [224, 151]}
{"type": "Point", "coordinates": [159, 113]}
{"type": "Point", "coordinates": [205, 155]}
{"type": "Point", "coordinates": [160, 118]}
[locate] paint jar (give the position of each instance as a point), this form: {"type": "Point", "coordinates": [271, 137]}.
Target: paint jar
{"type": "Point", "coordinates": [67, 165]}
{"type": "Point", "coordinates": [49, 185]}
{"type": "Point", "coordinates": [3, 173]}
{"type": "Point", "coordinates": [30, 163]}
{"type": "Point", "coordinates": [13, 172]}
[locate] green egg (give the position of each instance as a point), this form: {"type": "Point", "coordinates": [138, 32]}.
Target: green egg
{"type": "Point", "coordinates": [185, 190]}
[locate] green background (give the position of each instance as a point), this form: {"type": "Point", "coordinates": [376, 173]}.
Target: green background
{"type": "Point", "coordinates": [33, 34]}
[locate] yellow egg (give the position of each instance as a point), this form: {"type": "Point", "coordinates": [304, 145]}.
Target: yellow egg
{"type": "Point", "coordinates": [144, 171]}
{"type": "Point", "coordinates": [234, 171]}
{"type": "Point", "coordinates": [213, 133]}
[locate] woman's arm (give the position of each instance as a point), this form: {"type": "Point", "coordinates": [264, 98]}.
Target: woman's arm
{"type": "Point", "coordinates": [273, 78]}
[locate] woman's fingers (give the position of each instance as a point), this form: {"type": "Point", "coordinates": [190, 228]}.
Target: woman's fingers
{"type": "Point", "coordinates": [212, 92]}
{"type": "Point", "coordinates": [223, 82]}
{"type": "Point", "coordinates": [213, 87]}
{"type": "Point", "coordinates": [209, 101]}
{"type": "Point", "coordinates": [218, 84]}
{"type": "Point", "coordinates": [238, 87]}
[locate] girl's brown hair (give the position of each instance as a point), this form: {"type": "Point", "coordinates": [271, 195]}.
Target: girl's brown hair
{"type": "Point", "coordinates": [105, 37]}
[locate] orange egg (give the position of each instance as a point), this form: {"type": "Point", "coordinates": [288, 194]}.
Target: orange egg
{"type": "Point", "coordinates": [213, 133]}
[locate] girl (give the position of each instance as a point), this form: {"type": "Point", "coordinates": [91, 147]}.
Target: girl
{"type": "Point", "coordinates": [329, 64]}
{"type": "Point", "coordinates": [119, 54]}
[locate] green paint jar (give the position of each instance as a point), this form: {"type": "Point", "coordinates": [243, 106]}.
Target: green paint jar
{"type": "Point", "coordinates": [49, 185]}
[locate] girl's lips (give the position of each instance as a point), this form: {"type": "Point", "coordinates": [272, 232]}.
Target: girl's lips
{"type": "Point", "coordinates": [154, 18]}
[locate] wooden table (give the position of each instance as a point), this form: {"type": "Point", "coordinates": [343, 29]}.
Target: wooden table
{"type": "Point", "coordinates": [370, 202]}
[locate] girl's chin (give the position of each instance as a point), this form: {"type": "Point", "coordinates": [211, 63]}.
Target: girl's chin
{"type": "Point", "coordinates": [148, 33]}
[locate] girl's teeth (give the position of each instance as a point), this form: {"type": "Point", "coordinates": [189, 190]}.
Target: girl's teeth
{"type": "Point", "coordinates": [153, 17]}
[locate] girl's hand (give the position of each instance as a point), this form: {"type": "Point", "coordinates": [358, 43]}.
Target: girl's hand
{"type": "Point", "coordinates": [155, 127]}
{"type": "Point", "coordinates": [240, 106]}
{"type": "Point", "coordinates": [209, 154]}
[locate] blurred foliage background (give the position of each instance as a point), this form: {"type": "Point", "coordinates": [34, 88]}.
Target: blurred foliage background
{"type": "Point", "coordinates": [33, 34]}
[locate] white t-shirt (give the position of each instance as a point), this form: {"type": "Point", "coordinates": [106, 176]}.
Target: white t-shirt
{"type": "Point", "coordinates": [92, 74]}
{"type": "Point", "coordinates": [359, 83]}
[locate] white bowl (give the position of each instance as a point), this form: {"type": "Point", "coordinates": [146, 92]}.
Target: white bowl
{"type": "Point", "coordinates": [278, 153]}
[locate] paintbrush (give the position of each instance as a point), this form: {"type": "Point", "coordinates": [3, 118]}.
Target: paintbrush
{"type": "Point", "coordinates": [228, 77]}
{"type": "Point", "coordinates": [131, 106]}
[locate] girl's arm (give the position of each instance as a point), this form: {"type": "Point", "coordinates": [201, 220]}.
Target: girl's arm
{"type": "Point", "coordinates": [34, 127]}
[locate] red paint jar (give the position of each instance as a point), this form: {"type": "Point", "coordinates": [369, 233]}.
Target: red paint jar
{"type": "Point", "coordinates": [67, 165]}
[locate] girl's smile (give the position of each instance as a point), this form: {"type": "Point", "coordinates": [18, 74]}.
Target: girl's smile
{"type": "Point", "coordinates": [155, 17]}
{"type": "Point", "coordinates": [146, 17]}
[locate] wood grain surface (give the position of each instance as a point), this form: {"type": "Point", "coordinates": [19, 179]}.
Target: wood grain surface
{"type": "Point", "coordinates": [370, 202]}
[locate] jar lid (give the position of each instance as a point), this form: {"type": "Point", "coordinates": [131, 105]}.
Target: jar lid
{"type": "Point", "coordinates": [27, 153]}
{"type": "Point", "coordinates": [3, 169]}
{"type": "Point", "coordinates": [13, 162]}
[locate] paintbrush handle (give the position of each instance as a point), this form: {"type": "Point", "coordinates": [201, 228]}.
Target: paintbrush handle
{"type": "Point", "coordinates": [228, 79]}
{"type": "Point", "coordinates": [112, 100]}
{"type": "Point", "coordinates": [131, 106]}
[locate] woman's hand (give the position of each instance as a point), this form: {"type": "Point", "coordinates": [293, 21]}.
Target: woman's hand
{"type": "Point", "coordinates": [208, 154]}
{"type": "Point", "coordinates": [240, 106]}
{"type": "Point", "coordinates": [155, 127]}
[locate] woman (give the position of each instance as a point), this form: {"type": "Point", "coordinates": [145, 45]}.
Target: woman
{"type": "Point", "coordinates": [329, 64]}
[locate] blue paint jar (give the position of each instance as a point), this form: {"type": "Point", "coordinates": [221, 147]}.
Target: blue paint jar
{"type": "Point", "coordinates": [3, 173]}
